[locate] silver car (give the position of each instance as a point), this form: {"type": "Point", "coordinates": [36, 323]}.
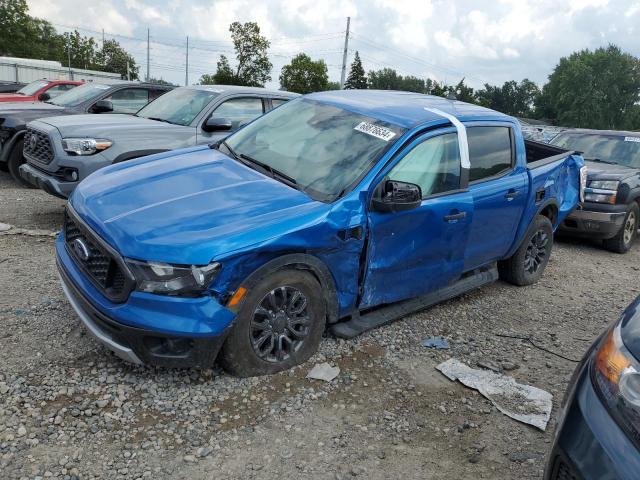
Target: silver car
{"type": "Point", "coordinates": [62, 151]}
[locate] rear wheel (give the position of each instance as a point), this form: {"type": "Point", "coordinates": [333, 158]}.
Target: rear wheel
{"type": "Point", "coordinates": [624, 239]}
{"type": "Point", "coordinates": [279, 325]}
{"type": "Point", "coordinates": [14, 161]}
{"type": "Point", "coordinates": [527, 265]}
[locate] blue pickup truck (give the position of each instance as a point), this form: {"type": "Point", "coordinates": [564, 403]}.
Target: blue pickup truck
{"type": "Point", "coordinates": [345, 209]}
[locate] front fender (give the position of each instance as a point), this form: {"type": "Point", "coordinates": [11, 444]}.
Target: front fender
{"type": "Point", "coordinates": [8, 146]}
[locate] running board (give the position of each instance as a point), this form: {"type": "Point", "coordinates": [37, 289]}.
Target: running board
{"type": "Point", "coordinates": [389, 313]}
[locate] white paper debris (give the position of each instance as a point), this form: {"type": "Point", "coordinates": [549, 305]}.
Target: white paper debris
{"type": "Point", "coordinates": [323, 371]}
{"type": "Point", "coordinates": [4, 227]}
{"type": "Point", "coordinates": [524, 403]}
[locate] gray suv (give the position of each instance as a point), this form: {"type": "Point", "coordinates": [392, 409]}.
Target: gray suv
{"type": "Point", "coordinates": [62, 151]}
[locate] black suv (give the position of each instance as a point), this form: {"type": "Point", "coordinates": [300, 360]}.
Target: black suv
{"type": "Point", "coordinates": [120, 97]}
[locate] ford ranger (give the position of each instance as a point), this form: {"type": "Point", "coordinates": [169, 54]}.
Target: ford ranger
{"type": "Point", "coordinates": [78, 145]}
{"type": "Point", "coordinates": [345, 209]}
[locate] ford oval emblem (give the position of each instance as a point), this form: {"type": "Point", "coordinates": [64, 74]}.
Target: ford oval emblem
{"type": "Point", "coordinates": [80, 249]}
{"type": "Point", "coordinates": [33, 142]}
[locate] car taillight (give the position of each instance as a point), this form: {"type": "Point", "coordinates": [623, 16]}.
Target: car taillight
{"type": "Point", "coordinates": [616, 375]}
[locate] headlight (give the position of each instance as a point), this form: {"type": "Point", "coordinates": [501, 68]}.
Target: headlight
{"type": "Point", "coordinates": [166, 279]}
{"type": "Point", "coordinates": [85, 146]}
{"type": "Point", "coordinates": [604, 184]}
{"type": "Point", "coordinates": [602, 191]}
{"type": "Point", "coordinates": [616, 375]}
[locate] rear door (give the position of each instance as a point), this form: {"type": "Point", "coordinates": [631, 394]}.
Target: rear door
{"type": "Point", "coordinates": [498, 186]}
{"type": "Point", "coordinates": [414, 252]}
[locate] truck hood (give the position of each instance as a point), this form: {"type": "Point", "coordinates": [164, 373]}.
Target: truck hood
{"type": "Point", "coordinates": [18, 114]}
{"type": "Point", "coordinates": [189, 206]}
{"type": "Point", "coordinates": [91, 125]}
{"type": "Point", "coordinates": [608, 171]}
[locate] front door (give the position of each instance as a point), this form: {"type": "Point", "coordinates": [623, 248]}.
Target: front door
{"type": "Point", "coordinates": [418, 251]}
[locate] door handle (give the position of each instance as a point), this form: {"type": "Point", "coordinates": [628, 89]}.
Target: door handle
{"type": "Point", "coordinates": [511, 194]}
{"type": "Point", "coordinates": [453, 217]}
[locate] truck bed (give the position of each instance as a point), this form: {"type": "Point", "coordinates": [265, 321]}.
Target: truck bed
{"type": "Point", "coordinates": [539, 154]}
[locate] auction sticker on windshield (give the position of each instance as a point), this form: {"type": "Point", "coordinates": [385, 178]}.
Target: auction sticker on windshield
{"type": "Point", "coordinates": [632, 139]}
{"type": "Point", "coordinates": [375, 131]}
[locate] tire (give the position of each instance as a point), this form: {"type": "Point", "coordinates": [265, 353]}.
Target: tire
{"type": "Point", "coordinates": [623, 241]}
{"type": "Point", "coordinates": [4, 167]}
{"type": "Point", "coordinates": [14, 160]}
{"type": "Point", "coordinates": [527, 264]}
{"type": "Point", "coordinates": [264, 320]}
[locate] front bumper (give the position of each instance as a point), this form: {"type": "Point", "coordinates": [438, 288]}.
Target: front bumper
{"type": "Point", "coordinates": [596, 224]}
{"type": "Point", "coordinates": [589, 443]}
{"type": "Point", "coordinates": [44, 181]}
{"type": "Point", "coordinates": [148, 329]}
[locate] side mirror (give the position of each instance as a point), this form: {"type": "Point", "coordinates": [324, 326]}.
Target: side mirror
{"type": "Point", "coordinates": [218, 124]}
{"type": "Point", "coordinates": [43, 97]}
{"type": "Point", "coordinates": [396, 196]}
{"type": "Point", "coordinates": [102, 106]}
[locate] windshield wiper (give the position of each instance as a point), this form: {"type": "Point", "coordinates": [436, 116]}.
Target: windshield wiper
{"type": "Point", "coordinates": [158, 119]}
{"type": "Point", "coordinates": [275, 174]}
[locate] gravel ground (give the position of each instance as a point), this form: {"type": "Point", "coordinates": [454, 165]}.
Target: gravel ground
{"type": "Point", "coordinates": [70, 409]}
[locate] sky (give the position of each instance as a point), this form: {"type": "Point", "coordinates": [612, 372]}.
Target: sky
{"type": "Point", "coordinates": [447, 40]}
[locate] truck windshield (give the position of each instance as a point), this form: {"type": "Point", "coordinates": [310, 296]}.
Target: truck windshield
{"type": "Point", "coordinates": [80, 94]}
{"type": "Point", "coordinates": [33, 87]}
{"type": "Point", "coordinates": [619, 149]}
{"type": "Point", "coordinates": [178, 106]}
{"type": "Point", "coordinates": [323, 148]}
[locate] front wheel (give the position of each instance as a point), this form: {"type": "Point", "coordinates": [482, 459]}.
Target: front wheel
{"type": "Point", "coordinates": [279, 325]}
{"type": "Point", "coordinates": [526, 266]}
{"type": "Point", "coordinates": [15, 159]}
{"type": "Point", "coordinates": [624, 239]}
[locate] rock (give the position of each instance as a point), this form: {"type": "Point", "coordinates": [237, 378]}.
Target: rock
{"type": "Point", "coordinates": [22, 431]}
{"type": "Point", "coordinates": [323, 371]}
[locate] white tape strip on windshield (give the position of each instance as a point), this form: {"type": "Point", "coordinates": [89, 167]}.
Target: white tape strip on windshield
{"type": "Point", "coordinates": [462, 135]}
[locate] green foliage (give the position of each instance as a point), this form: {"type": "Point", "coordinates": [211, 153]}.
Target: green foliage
{"type": "Point", "coordinates": [113, 58]}
{"type": "Point", "coordinates": [512, 98]}
{"type": "Point", "coordinates": [356, 78]}
{"type": "Point", "coordinates": [599, 89]}
{"type": "Point", "coordinates": [304, 75]}
{"type": "Point", "coordinates": [253, 66]}
{"type": "Point", "coordinates": [24, 36]}
{"type": "Point", "coordinates": [333, 86]}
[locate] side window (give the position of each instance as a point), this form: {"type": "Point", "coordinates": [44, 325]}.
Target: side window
{"type": "Point", "coordinates": [129, 100]}
{"type": "Point", "coordinates": [239, 111]}
{"type": "Point", "coordinates": [276, 102]}
{"type": "Point", "coordinates": [153, 94]}
{"type": "Point", "coordinates": [433, 164]}
{"type": "Point", "coordinates": [490, 151]}
{"type": "Point", "coordinates": [58, 89]}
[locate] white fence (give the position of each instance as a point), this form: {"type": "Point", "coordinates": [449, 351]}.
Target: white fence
{"type": "Point", "coordinates": [26, 70]}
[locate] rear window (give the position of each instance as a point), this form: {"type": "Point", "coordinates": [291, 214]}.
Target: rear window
{"type": "Point", "coordinates": [490, 152]}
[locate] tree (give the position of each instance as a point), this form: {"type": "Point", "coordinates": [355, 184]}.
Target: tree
{"type": "Point", "coordinates": [333, 86]}
{"type": "Point", "coordinates": [463, 92]}
{"type": "Point", "coordinates": [304, 75]}
{"type": "Point", "coordinates": [223, 76]}
{"type": "Point", "coordinates": [159, 81]}
{"type": "Point", "coordinates": [356, 78]}
{"type": "Point", "coordinates": [599, 89]}
{"type": "Point", "coordinates": [113, 58]}
{"type": "Point", "coordinates": [389, 79]}
{"type": "Point", "coordinates": [512, 98]}
{"type": "Point", "coordinates": [431, 87]}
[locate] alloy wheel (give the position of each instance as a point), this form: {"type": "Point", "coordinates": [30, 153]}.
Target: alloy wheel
{"type": "Point", "coordinates": [536, 251]}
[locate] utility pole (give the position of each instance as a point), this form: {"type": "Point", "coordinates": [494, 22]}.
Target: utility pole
{"type": "Point", "coordinates": [128, 72]}
{"type": "Point", "coordinates": [344, 54]}
{"type": "Point", "coordinates": [186, 70]}
{"type": "Point", "coordinates": [148, 76]}
{"type": "Point", "coordinates": [69, 56]}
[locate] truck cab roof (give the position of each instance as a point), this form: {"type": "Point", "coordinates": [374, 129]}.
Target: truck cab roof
{"type": "Point", "coordinates": [405, 109]}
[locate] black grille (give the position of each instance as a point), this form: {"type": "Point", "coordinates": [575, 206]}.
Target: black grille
{"type": "Point", "coordinates": [99, 264]}
{"type": "Point", "coordinates": [37, 146]}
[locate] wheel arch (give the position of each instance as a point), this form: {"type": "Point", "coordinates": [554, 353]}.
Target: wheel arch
{"type": "Point", "coordinates": [8, 146]}
{"type": "Point", "coordinates": [306, 262]}
{"type": "Point", "coordinates": [550, 210]}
